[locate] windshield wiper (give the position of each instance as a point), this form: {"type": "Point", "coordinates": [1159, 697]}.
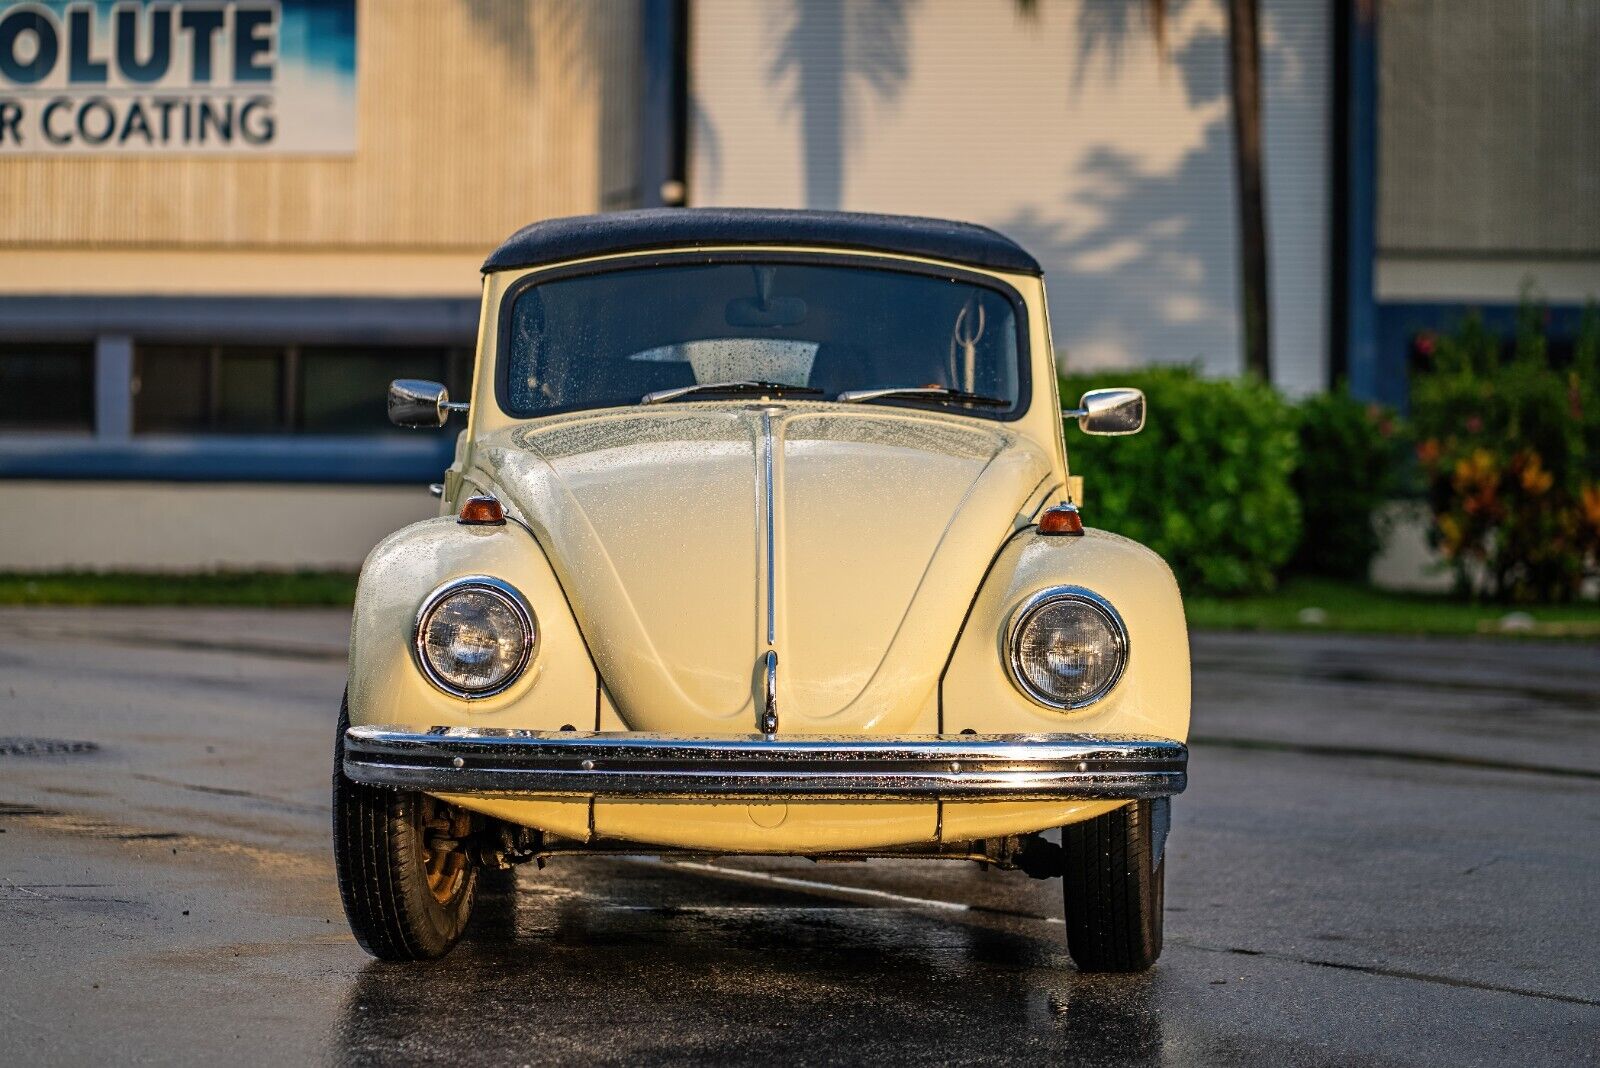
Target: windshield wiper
{"type": "Point", "coordinates": [739, 388]}
{"type": "Point", "coordinates": [933, 393]}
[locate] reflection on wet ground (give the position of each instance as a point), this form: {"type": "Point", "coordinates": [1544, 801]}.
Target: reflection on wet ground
{"type": "Point", "coordinates": [757, 975]}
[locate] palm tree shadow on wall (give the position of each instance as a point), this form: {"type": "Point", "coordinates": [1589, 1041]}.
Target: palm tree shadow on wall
{"type": "Point", "coordinates": [1105, 29]}
{"type": "Point", "coordinates": [1142, 269]}
{"type": "Point", "coordinates": [1138, 259]}
{"type": "Point", "coordinates": [1111, 18]}
{"type": "Point", "coordinates": [828, 49]}
{"type": "Point", "coordinates": [1148, 262]}
{"type": "Point", "coordinates": [512, 31]}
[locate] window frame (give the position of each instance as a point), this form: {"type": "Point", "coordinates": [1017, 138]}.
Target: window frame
{"type": "Point", "coordinates": [211, 354]}
{"type": "Point", "coordinates": [288, 423]}
{"type": "Point", "coordinates": [74, 349]}
{"type": "Point", "coordinates": [114, 324]}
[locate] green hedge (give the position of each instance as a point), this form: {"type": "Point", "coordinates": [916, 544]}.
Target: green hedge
{"type": "Point", "coordinates": [1351, 453]}
{"type": "Point", "coordinates": [1207, 484]}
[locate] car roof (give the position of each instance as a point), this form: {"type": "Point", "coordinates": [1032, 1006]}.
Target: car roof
{"type": "Point", "coordinates": [577, 236]}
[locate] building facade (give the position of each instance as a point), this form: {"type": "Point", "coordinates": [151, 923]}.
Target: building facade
{"type": "Point", "coordinates": [195, 341]}
{"type": "Point", "coordinates": [222, 237]}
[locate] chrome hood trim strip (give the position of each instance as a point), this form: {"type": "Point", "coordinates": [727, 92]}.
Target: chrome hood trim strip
{"type": "Point", "coordinates": [772, 561]}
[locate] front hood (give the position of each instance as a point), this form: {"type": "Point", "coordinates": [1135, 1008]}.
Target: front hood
{"type": "Point", "coordinates": [882, 525]}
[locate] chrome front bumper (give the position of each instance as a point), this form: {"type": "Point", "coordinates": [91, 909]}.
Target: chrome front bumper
{"type": "Point", "coordinates": [964, 767]}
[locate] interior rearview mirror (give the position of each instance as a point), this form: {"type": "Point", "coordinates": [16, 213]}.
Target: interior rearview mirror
{"type": "Point", "coordinates": [765, 308]}
{"type": "Point", "coordinates": [775, 311]}
{"type": "Point", "coordinates": [1110, 411]}
{"type": "Point", "coordinates": [414, 402]}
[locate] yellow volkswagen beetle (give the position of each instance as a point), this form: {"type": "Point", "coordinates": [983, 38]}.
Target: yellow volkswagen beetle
{"type": "Point", "coordinates": [760, 540]}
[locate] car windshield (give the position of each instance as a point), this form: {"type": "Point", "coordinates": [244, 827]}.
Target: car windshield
{"type": "Point", "coordinates": [615, 337]}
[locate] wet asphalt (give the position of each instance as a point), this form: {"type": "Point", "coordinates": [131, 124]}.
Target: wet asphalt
{"type": "Point", "coordinates": [1389, 854]}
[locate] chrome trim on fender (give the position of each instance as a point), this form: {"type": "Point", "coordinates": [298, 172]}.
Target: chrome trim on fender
{"type": "Point", "coordinates": [1033, 604]}
{"type": "Point", "coordinates": [970, 767]}
{"type": "Point", "coordinates": [511, 597]}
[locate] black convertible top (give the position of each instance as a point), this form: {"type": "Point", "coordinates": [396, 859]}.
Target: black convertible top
{"type": "Point", "coordinates": [659, 228]}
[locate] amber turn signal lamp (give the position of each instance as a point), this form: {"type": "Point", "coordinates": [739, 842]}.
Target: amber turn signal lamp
{"type": "Point", "coordinates": [482, 512]}
{"type": "Point", "coordinates": [1062, 519]}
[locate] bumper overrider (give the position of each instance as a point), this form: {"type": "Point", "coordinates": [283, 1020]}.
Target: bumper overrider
{"type": "Point", "coordinates": [967, 767]}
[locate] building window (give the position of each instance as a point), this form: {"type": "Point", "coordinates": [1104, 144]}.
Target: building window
{"type": "Point", "coordinates": [46, 386]}
{"type": "Point", "coordinates": [313, 389]}
{"type": "Point", "coordinates": [344, 389]}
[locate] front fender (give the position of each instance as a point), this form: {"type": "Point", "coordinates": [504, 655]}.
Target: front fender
{"type": "Point", "coordinates": [559, 688]}
{"type": "Point", "coordinates": [1152, 696]}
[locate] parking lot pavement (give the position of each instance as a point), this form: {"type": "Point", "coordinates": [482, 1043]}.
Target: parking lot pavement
{"type": "Point", "coordinates": [1387, 855]}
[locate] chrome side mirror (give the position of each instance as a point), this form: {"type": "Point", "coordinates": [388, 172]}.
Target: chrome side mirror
{"type": "Point", "coordinates": [1110, 411]}
{"type": "Point", "coordinates": [417, 403]}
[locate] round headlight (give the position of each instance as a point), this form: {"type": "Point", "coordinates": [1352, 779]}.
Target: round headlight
{"type": "Point", "coordinates": [474, 637]}
{"type": "Point", "coordinates": [1067, 647]}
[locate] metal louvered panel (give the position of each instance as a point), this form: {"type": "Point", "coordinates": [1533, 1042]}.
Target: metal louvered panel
{"type": "Point", "coordinates": [1489, 127]}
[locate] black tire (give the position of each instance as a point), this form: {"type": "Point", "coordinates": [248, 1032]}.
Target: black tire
{"type": "Point", "coordinates": [380, 856]}
{"type": "Point", "coordinates": [1114, 894]}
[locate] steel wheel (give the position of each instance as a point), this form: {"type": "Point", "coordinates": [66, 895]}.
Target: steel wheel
{"type": "Point", "coordinates": [441, 830]}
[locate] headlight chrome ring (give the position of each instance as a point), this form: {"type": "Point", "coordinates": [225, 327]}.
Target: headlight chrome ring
{"type": "Point", "coordinates": [1030, 611]}
{"type": "Point", "coordinates": [504, 595]}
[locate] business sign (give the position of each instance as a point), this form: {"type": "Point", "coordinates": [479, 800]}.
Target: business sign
{"type": "Point", "coordinates": [184, 77]}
